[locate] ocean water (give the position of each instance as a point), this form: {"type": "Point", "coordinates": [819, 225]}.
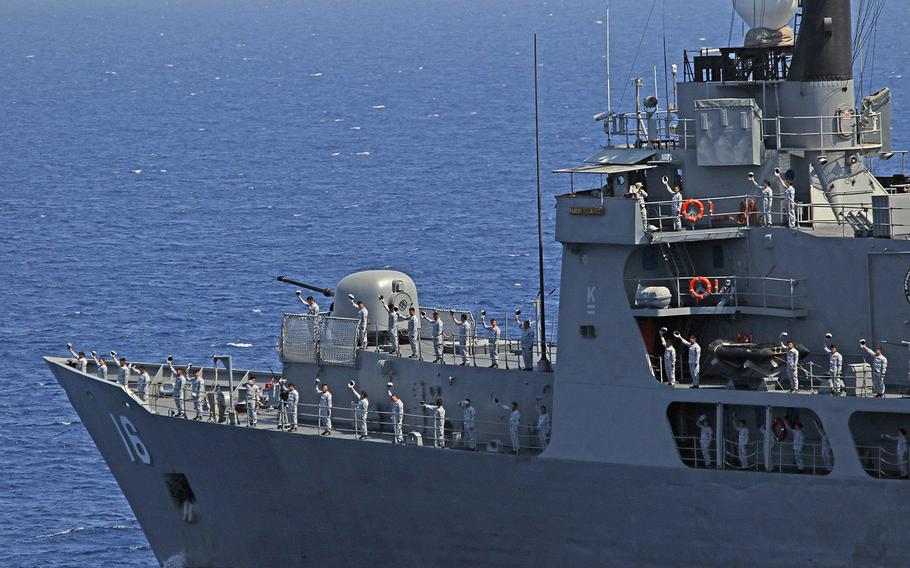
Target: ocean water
{"type": "Point", "coordinates": [162, 161]}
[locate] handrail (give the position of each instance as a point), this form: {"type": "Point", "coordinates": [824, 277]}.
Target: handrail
{"type": "Point", "coordinates": [379, 422]}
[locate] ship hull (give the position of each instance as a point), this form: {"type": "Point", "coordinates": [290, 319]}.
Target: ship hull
{"type": "Point", "coordinates": [266, 497]}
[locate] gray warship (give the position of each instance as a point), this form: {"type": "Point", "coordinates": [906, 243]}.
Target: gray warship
{"type": "Point", "coordinates": [636, 467]}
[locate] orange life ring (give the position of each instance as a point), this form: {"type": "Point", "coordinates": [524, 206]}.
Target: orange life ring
{"type": "Point", "coordinates": [706, 285]}
{"type": "Point", "coordinates": [779, 428]}
{"type": "Point", "coordinates": [743, 337]}
{"type": "Point", "coordinates": [693, 216]}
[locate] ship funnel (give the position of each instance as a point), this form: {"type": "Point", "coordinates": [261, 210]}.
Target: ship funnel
{"type": "Point", "coordinates": [824, 48]}
{"type": "Point", "coordinates": [768, 21]}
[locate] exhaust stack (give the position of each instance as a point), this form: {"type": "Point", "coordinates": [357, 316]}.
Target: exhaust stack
{"type": "Point", "coordinates": [824, 47]}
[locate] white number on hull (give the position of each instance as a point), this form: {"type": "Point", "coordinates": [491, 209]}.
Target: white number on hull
{"type": "Point", "coordinates": [130, 436]}
{"type": "Point", "coordinates": [592, 305]}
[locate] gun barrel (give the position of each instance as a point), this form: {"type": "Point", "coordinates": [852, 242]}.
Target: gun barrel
{"type": "Point", "coordinates": [328, 292]}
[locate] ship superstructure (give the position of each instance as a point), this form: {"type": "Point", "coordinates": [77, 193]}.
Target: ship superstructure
{"type": "Point", "coordinates": [639, 468]}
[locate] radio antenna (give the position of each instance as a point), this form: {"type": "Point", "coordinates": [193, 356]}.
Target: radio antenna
{"type": "Point", "coordinates": [544, 358]}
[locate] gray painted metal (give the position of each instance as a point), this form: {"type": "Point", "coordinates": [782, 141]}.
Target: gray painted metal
{"type": "Point", "coordinates": [610, 489]}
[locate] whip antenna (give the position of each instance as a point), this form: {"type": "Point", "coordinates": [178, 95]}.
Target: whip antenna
{"type": "Point", "coordinates": [544, 359]}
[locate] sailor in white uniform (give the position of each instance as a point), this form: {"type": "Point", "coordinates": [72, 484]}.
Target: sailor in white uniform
{"type": "Point", "coordinates": [792, 363]}
{"type": "Point", "coordinates": [394, 318]}
{"type": "Point", "coordinates": [179, 386]}
{"type": "Point", "coordinates": [676, 203]}
{"type": "Point", "coordinates": [142, 383]}
{"type": "Point", "coordinates": [463, 336]}
{"type": "Point", "coordinates": [767, 199]}
{"type": "Point", "coordinates": [669, 358]}
{"type": "Point", "coordinates": [543, 426]}
{"type": "Point", "coordinates": [252, 401]}
{"type": "Point", "coordinates": [727, 294]}
{"type": "Point", "coordinates": [789, 199]}
{"type": "Point", "coordinates": [638, 190]}
{"type": "Point", "coordinates": [436, 330]}
{"type": "Point", "coordinates": [363, 319]}
{"type": "Point", "coordinates": [799, 441]}
{"type": "Point", "coordinates": [361, 411]}
{"type": "Point", "coordinates": [197, 391]}
{"type": "Point", "coordinates": [101, 365]}
{"type": "Point", "coordinates": [705, 439]}
{"type": "Point", "coordinates": [325, 408]}
{"type": "Point", "coordinates": [528, 338]}
{"type": "Point", "coordinates": [413, 330]}
{"type": "Point", "coordinates": [514, 421]}
{"type": "Point", "coordinates": [879, 368]}
{"type": "Point", "coordinates": [439, 421]}
{"type": "Point", "coordinates": [397, 416]}
{"type": "Point", "coordinates": [312, 308]}
{"type": "Point", "coordinates": [493, 339]}
{"type": "Point", "coordinates": [123, 374]}
{"type": "Point", "coordinates": [900, 450]}
{"type": "Point", "coordinates": [742, 442]}
{"type": "Point", "coordinates": [81, 361]}
{"type": "Point", "coordinates": [470, 413]}
{"type": "Point", "coordinates": [694, 356]}
{"type": "Point", "coordinates": [825, 445]}
{"type": "Point", "coordinates": [293, 401]}
{"type": "Point", "coordinates": [835, 367]}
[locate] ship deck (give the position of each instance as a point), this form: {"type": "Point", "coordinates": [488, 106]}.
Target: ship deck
{"type": "Point", "coordinates": [418, 429]}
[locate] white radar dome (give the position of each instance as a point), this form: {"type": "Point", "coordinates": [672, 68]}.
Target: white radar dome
{"type": "Point", "coordinates": [770, 14]}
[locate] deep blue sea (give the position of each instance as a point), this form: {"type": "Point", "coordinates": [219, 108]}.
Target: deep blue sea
{"type": "Point", "coordinates": [162, 161]}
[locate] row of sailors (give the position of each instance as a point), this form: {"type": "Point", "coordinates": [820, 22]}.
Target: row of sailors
{"type": "Point", "coordinates": [464, 333]}
{"type": "Point", "coordinates": [290, 404]}
{"type": "Point", "coordinates": [143, 379]}
{"type": "Point", "coordinates": [741, 427]}
{"type": "Point", "coordinates": [439, 415]}
{"type": "Point", "coordinates": [879, 363]}
{"type": "Point", "coordinates": [765, 193]}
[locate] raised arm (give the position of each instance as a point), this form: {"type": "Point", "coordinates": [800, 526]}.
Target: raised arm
{"type": "Point", "coordinates": [95, 358]}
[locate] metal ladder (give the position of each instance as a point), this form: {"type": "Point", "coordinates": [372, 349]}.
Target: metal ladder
{"type": "Point", "coordinates": [679, 260]}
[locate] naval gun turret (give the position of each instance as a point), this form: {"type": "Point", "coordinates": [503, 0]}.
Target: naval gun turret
{"type": "Point", "coordinates": [396, 288]}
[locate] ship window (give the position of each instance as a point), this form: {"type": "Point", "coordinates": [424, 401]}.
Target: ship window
{"type": "Point", "coordinates": [588, 331]}
{"type": "Point", "coordinates": [876, 436]}
{"type": "Point", "coordinates": [769, 449]}
{"type": "Point", "coordinates": [718, 254]}
{"type": "Point", "coordinates": [649, 259]}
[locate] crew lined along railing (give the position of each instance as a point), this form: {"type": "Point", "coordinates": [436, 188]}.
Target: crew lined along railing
{"type": "Point", "coordinates": [819, 133]}
{"type": "Point", "coordinates": [783, 457]}
{"type": "Point", "coordinates": [332, 341]}
{"type": "Point", "coordinates": [761, 292]}
{"type": "Point", "coordinates": [813, 378]}
{"type": "Point", "coordinates": [379, 423]}
{"type": "Point", "coordinates": [746, 210]}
